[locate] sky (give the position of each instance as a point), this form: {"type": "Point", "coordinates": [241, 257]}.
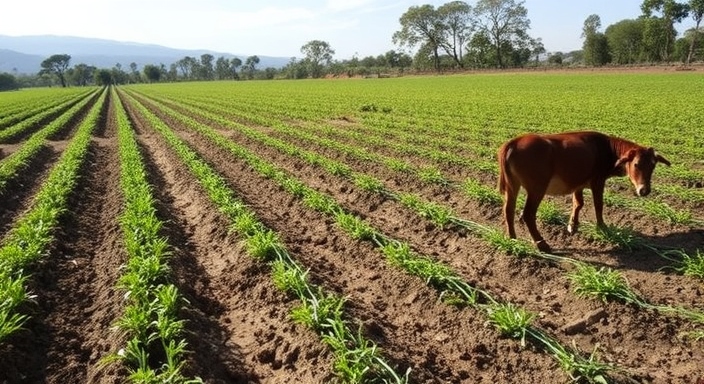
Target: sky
{"type": "Point", "coordinates": [279, 27]}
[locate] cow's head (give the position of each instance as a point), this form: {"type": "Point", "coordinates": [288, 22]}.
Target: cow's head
{"type": "Point", "coordinates": [639, 164]}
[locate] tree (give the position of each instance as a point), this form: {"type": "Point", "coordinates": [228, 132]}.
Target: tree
{"type": "Point", "coordinates": [591, 26]}
{"type": "Point", "coordinates": [625, 40]}
{"type": "Point", "coordinates": [81, 74]}
{"type": "Point", "coordinates": [318, 54]}
{"type": "Point", "coordinates": [672, 12]}
{"type": "Point", "coordinates": [421, 25]}
{"type": "Point", "coordinates": [8, 82]}
{"type": "Point", "coordinates": [187, 65]}
{"type": "Point", "coordinates": [135, 77]}
{"type": "Point", "coordinates": [235, 63]}
{"type": "Point", "coordinates": [596, 46]}
{"type": "Point", "coordinates": [696, 8]}
{"type": "Point", "coordinates": [480, 50]}
{"type": "Point", "coordinates": [152, 73]}
{"type": "Point", "coordinates": [206, 67]}
{"type": "Point", "coordinates": [250, 66]}
{"type": "Point", "coordinates": [56, 65]}
{"type": "Point", "coordinates": [222, 68]}
{"type": "Point", "coordinates": [505, 22]}
{"type": "Point", "coordinates": [103, 77]}
{"type": "Point", "coordinates": [537, 48]}
{"type": "Point", "coordinates": [656, 44]}
{"type": "Point", "coordinates": [457, 25]}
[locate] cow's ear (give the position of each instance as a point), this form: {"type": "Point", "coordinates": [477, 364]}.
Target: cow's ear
{"type": "Point", "coordinates": [661, 159]}
{"type": "Point", "coordinates": [625, 158]}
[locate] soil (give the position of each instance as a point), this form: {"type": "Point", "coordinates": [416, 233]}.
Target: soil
{"type": "Point", "coordinates": [238, 324]}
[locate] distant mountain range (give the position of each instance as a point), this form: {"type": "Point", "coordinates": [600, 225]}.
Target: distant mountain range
{"type": "Point", "coordinates": [24, 54]}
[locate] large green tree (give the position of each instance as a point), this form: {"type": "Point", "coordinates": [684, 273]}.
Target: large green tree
{"type": "Point", "coordinates": [421, 25]}
{"type": "Point", "coordinates": [8, 82]}
{"type": "Point", "coordinates": [672, 12]}
{"type": "Point", "coordinates": [318, 55]}
{"type": "Point", "coordinates": [595, 47]}
{"type": "Point", "coordinates": [457, 26]}
{"type": "Point", "coordinates": [56, 65]}
{"type": "Point", "coordinates": [625, 40]}
{"type": "Point", "coordinates": [505, 23]}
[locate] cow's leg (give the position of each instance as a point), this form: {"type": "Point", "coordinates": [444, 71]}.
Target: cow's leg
{"type": "Point", "coordinates": [509, 210]}
{"type": "Point", "coordinates": [577, 204]}
{"type": "Point", "coordinates": [598, 194]}
{"type": "Point", "coordinates": [529, 217]}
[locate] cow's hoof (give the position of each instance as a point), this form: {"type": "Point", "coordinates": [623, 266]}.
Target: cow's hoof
{"type": "Point", "coordinates": [543, 246]}
{"type": "Point", "coordinates": [572, 228]}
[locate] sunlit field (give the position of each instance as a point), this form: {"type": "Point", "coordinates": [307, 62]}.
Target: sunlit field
{"type": "Point", "coordinates": [343, 230]}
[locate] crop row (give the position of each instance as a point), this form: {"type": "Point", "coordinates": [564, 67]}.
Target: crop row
{"type": "Point", "coordinates": [30, 236]}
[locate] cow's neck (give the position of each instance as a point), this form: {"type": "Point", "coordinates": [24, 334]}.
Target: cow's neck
{"type": "Point", "coordinates": [620, 146]}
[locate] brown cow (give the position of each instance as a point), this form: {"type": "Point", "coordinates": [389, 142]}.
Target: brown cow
{"type": "Point", "coordinates": [565, 163]}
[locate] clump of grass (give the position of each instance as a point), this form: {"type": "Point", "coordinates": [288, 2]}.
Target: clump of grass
{"type": "Point", "coordinates": [502, 242]}
{"type": "Point", "coordinates": [356, 227]}
{"type": "Point", "coordinates": [667, 213]}
{"type": "Point", "coordinates": [481, 193]}
{"type": "Point", "coordinates": [549, 213]}
{"type": "Point", "coordinates": [623, 238]}
{"type": "Point", "coordinates": [691, 265]}
{"type": "Point", "coordinates": [262, 245]}
{"type": "Point", "coordinates": [438, 214]}
{"type": "Point", "coordinates": [398, 165]}
{"type": "Point", "coordinates": [369, 183]}
{"type": "Point", "coordinates": [431, 175]}
{"type": "Point", "coordinates": [603, 284]}
{"type": "Point", "coordinates": [510, 320]}
{"type": "Point", "coordinates": [588, 370]}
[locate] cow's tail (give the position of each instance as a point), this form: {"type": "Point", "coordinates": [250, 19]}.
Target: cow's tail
{"type": "Point", "coordinates": [504, 169]}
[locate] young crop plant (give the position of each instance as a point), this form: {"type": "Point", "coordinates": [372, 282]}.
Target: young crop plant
{"type": "Point", "coordinates": [431, 175]}
{"type": "Point", "coordinates": [550, 213]}
{"type": "Point", "coordinates": [664, 212]}
{"type": "Point", "coordinates": [581, 369]}
{"type": "Point", "coordinates": [622, 238]}
{"type": "Point", "coordinates": [475, 190]}
{"type": "Point", "coordinates": [510, 320]}
{"type": "Point", "coordinates": [603, 284]}
{"type": "Point", "coordinates": [438, 214]}
{"type": "Point", "coordinates": [691, 265]}
{"type": "Point", "coordinates": [516, 247]}
{"type": "Point", "coordinates": [369, 183]}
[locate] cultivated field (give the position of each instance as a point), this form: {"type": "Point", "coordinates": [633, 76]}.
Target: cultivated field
{"type": "Point", "coordinates": [342, 231]}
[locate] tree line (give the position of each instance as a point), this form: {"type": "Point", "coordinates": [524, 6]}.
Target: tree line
{"type": "Point", "coordinates": [452, 36]}
{"type": "Point", "coordinates": [650, 38]}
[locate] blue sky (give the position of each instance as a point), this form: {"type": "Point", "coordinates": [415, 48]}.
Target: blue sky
{"type": "Point", "coordinates": [279, 27]}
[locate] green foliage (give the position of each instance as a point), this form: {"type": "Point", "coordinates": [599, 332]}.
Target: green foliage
{"type": "Point", "coordinates": [510, 320]}
{"type": "Point", "coordinates": [602, 283]}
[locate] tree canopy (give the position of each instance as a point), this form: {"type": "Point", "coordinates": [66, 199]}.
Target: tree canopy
{"type": "Point", "coordinates": [56, 65]}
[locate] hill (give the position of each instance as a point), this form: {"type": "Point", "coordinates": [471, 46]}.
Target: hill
{"type": "Point", "coordinates": [24, 54]}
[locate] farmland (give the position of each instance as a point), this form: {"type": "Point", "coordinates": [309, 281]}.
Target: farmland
{"type": "Point", "coordinates": [342, 231]}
